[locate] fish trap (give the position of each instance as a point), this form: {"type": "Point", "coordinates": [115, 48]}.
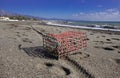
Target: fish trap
{"type": "Point", "coordinates": [65, 43]}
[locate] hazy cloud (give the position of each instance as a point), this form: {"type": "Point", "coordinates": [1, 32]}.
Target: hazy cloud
{"type": "Point", "coordinates": [106, 15]}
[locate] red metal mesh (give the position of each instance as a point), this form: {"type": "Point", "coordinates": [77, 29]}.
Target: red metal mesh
{"type": "Point", "coordinates": [67, 42]}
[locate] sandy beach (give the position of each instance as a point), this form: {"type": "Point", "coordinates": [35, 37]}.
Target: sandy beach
{"type": "Point", "coordinates": [22, 54]}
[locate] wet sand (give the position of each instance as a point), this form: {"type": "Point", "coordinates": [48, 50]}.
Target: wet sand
{"type": "Point", "coordinates": [22, 54]}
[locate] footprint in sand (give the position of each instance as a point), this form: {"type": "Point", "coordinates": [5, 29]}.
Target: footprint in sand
{"type": "Point", "coordinates": [67, 71]}
{"type": "Point", "coordinates": [88, 39]}
{"type": "Point", "coordinates": [26, 40]}
{"type": "Point", "coordinates": [118, 51]}
{"type": "Point", "coordinates": [18, 35]}
{"type": "Point", "coordinates": [57, 69]}
{"type": "Point", "coordinates": [27, 28]}
{"type": "Point", "coordinates": [97, 37]}
{"type": "Point", "coordinates": [17, 32]}
{"type": "Point", "coordinates": [91, 34]}
{"type": "Point", "coordinates": [117, 61]}
{"type": "Point", "coordinates": [117, 47]}
{"type": "Point", "coordinates": [19, 46]}
{"type": "Point", "coordinates": [107, 48]}
{"type": "Point", "coordinates": [49, 64]}
{"type": "Point", "coordinates": [103, 36]}
{"type": "Point", "coordinates": [116, 39]}
{"type": "Point", "coordinates": [108, 39]}
{"type": "Point", "coordinates": [25, 35]}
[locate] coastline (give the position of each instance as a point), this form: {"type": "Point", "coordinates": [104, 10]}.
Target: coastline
{"type": "Point", "coordinates": [82, 27]}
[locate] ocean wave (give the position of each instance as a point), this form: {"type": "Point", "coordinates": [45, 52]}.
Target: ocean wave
{"type": "Point", "coordinates": [95, 27]}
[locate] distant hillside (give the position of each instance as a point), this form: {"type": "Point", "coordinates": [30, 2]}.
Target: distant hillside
{"type": "Point", "coordinates": [6, 13]}
{"type": "Point", "coordinates": [18, 16]}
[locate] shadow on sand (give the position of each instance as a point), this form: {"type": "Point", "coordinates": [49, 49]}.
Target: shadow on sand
{"type": "Point", "coordinates": [38, 51]}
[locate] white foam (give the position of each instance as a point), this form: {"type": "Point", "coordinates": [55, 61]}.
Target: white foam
{"type": "Point", "coordinates": [84, 27]}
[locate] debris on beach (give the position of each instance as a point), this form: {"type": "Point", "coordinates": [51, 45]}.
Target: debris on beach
{"type": "Point", "coordinates": [65, 43]}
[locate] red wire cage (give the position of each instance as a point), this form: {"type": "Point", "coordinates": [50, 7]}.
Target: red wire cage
{"type": "Point", "coordinates": [65, 43]}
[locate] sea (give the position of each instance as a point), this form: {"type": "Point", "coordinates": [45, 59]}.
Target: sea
{"type": "Point", "coordinates": [97, 25]}
{"type": "Point", "coordinates": [88, 23]}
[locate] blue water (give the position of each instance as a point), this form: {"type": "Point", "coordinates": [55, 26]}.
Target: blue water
{"type": "Point", "coordinates": [85, 23]}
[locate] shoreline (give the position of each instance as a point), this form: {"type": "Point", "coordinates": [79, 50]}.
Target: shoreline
{"type": "Point", "coordinates": [83, 27]}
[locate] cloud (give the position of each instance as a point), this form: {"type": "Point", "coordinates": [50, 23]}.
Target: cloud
{"type": "Point", "coordinates": [106, 15]}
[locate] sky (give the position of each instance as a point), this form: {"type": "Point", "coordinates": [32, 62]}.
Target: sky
{"type": "Point", "coordinates": [90, 10]}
